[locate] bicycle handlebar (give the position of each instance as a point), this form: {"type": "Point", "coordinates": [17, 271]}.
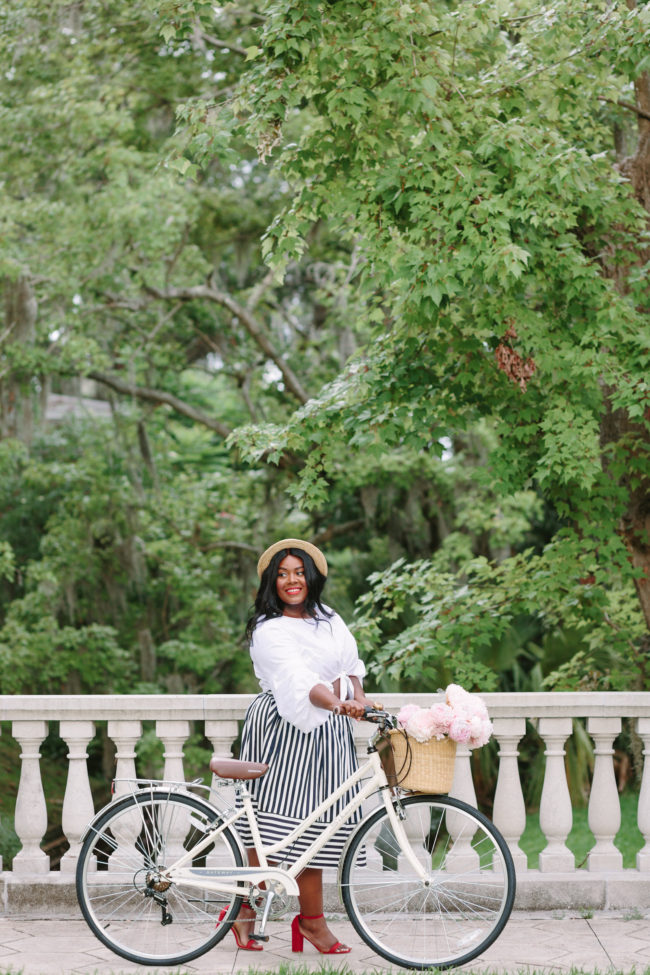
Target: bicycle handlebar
{"type": "Point", "coordinates": [379, 716]}
{"type": "Point", "coordinates": [376, 716]}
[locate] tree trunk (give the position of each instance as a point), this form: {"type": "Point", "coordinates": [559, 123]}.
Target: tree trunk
{"type": "Point", "coordinates": [635, 523]}
{"type": "Point", "coordinates": [19, 329]}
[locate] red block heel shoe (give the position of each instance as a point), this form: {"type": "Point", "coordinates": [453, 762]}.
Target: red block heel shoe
{"type": "Point", "coordinates": [251, 944]}
{"type": "Point", "coordinates": [298, 938]}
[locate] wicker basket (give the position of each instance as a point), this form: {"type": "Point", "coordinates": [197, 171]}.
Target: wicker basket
{"type": "Point", "coordinates": [428, 768]}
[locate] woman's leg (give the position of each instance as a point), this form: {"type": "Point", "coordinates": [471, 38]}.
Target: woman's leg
{"type": "Point", "coordinates": [310, 883]}
{"type": "Point", "coordinates": [246, 918]}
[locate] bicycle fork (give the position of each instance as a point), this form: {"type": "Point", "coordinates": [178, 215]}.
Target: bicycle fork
{"type": "Point", "coordinates": [396, 817]}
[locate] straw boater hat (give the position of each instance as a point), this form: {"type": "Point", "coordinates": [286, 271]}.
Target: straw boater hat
{"type": "Point", "coordinates": [316, 554]}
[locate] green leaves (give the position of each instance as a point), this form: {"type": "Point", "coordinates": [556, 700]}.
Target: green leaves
{"type": "Point", "coordinates": [453, 286]}
{"type": "Point", "coordinates": [461, 619]}
{"type": "Point", "coordinates": [7, 561]}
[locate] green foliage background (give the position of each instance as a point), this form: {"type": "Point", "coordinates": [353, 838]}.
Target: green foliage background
{"type": "Point", "coordinates": [371, 274]}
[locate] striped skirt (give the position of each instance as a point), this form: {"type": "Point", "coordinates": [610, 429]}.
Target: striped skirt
{"type": "Point", "coordinates": [304, 770]}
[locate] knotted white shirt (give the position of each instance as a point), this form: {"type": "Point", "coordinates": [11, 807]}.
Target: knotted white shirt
{"type": "Point", "coordinates": [290, 656]}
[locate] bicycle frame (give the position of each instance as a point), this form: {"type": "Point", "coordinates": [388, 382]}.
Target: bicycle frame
{"type": "Point", "coordinates": [229, 881]}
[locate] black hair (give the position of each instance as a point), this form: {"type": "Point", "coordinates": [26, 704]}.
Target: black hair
{"type": "Point", "coordinates": [268, 604]}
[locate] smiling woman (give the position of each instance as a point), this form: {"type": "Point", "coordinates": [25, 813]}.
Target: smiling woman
{"type": "Point", "coordinates": [307, 663]}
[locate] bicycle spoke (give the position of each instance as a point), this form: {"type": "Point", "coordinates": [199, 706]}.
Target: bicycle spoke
{"type": "Point", "coordinates": [123, 889]}
{"type": "Point", "coordinates": [452, 914]}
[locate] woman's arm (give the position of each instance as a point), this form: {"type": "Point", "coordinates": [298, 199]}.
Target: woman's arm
{"type": "Point", "coordinates": [321, 697]}
{"type": "Point", "coordinates": [359, 694]}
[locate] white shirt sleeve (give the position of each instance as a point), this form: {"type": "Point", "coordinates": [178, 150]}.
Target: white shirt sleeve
{"type": "Point", "coordinates": [352, 665]}
{"type": "Point", "coordinates": [280, 668]}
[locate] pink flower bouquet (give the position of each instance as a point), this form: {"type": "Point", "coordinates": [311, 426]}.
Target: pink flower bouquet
{"type": "Point", "coordinates": [463, 717]}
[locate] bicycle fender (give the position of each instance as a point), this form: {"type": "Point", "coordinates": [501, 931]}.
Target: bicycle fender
{"type": "Point", "coordinates": [127, 799]}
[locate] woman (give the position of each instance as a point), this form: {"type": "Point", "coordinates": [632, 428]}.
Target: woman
{"type": "Point", "coordinates": [306, 661]}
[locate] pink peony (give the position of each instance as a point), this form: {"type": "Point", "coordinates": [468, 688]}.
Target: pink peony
{"type": "Point", "coordinates": [463, 717]}
{"type": "Point", "coordinates": [457, 697]}
{"type": "Point", "coordinates": [421, 725]}
{"type": "Point", "coordinates": [482, 736]}
{"type": "Point", "coordinates": [460, 731]}
{"type": "Point", "coordinates": [464, 703]}
{"type": "Point", "coordinates": [442, 718]}
{"type": "Point", "coordinates": [407, 711]}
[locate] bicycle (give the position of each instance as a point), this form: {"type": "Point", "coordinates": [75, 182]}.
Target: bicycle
{"type": "Point", "coordinates": [426, 880]}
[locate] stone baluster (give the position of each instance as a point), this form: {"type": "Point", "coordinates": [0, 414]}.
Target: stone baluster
{"type": "Point", "coordinates": [173, 734]}
{"type": "Point", "coordinates": [463, 784]}
{"type": "Point", "coordinates": [221, 734]}
{"type": "Point", "coordinates": [462, 855]}
{"type": "Point", "coordinates": [555, 814]}
{"type": "Point", "coordinates": [604, 805]}
{"type": "Point", "coordinates": [643, 813]}
{"type": "Point", "coordinates": [509, 808]}
{"type": "Point", "coordinates": [125, 734]}
{"type": "Point", "coordinates": [78, 807]}
{"type": "Point", "coordinates": [361, 732]}
{"type": "Point", "coordinates": [31, 811]}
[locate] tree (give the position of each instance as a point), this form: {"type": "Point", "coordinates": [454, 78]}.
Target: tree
{"type": "Point", "coordinates": [505, 271]}
{"type": "Point", "coordinates": [138, 533]}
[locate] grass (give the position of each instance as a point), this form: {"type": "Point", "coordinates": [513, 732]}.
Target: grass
{"type": "Point", "coordinates": [629, 839]}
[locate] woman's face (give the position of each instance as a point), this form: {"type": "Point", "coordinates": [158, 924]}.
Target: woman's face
{"type": "Point", "coordinates": [290, 585]}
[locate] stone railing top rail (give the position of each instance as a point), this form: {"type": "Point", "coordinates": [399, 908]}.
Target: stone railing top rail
{"type": "Point", "coordinates": [633, 704]}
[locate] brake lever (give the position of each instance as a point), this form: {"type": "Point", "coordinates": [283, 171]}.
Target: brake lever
{"type": "Point", "coordinates": [378, 716]}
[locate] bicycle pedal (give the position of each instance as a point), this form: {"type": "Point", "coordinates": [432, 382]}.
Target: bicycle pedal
{"type": "Point", "coordinates": [259, 937]}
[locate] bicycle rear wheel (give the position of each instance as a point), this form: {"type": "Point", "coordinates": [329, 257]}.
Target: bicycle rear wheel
{"type": "Point", "coordinates": [460, 907]}
{"type": "Point", "coordinates": [121, 887]}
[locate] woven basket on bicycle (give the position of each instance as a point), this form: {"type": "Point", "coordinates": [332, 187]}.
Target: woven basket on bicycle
{"type": "Point", "coordinates": [423, 766]}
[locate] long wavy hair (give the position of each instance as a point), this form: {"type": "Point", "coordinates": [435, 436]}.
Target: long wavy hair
{"type": "Point", "coordinates": [268, 604]}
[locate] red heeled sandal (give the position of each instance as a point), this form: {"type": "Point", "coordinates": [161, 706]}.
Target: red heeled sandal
{"type": "Point", "coordinates": [251, 944]}
{"type": "Point", "coordinates": [298, 938]}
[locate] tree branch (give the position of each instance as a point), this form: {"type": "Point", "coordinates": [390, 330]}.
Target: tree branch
{"type": "Point", "coordinates": [340, 529]}
{"type": "Point", "coordinates": [258, 291]}
{"type": "Point", "coordinates": [623, 104]}
{"type": "Point", "coordinates": [161, 398]}
{"type": "Point", "coordinates": [226, 543]}
{"type": "Point", "coordinates": [208, 292]}
{"type": "Point", "coordinates": [223, 45]}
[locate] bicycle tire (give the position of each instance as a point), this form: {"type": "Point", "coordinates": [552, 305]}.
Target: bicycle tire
{"type": "Point", "coordinates": [125, 845]}
{"type": "Point", "coordinates": [459, 910]}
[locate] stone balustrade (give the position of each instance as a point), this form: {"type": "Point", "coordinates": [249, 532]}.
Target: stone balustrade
{"type": "Point", "coordinates": [557, 883]}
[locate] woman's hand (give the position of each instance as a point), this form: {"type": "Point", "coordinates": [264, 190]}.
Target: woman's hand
{"type": "Point", "coordinates": [353, 709]}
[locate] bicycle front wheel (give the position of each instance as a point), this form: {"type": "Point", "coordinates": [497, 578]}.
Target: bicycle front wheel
{"type": "Point", "coordinates": [453, 909]}
{"type": "Point", "coordinates": [121, 885]}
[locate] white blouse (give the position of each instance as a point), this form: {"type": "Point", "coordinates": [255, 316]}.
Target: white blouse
{"type": "Point", "coordinates": [291, 655]}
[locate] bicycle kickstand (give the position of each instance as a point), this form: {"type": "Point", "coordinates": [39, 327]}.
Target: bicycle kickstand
{"type": "Point", "coordinates": [265, 916]}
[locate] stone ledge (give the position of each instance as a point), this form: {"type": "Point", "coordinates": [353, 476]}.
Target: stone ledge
{"type": "Point", "coordinates": [55, 896]}
{"type": "Point", "coordinates": [582, 890]}
{"type": "Point", "coordinates": [38, 897]}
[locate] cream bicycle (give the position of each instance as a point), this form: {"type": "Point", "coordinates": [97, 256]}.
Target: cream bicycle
{"type": "Point", "coordinates": [426, 880]}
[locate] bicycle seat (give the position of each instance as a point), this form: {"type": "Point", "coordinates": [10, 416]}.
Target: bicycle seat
{"type": "Point", "coordinates": [230, 768]}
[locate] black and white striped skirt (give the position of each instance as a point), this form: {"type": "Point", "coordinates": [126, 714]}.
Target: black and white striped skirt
{"type": "Point", "coordinates": [304, 770]}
